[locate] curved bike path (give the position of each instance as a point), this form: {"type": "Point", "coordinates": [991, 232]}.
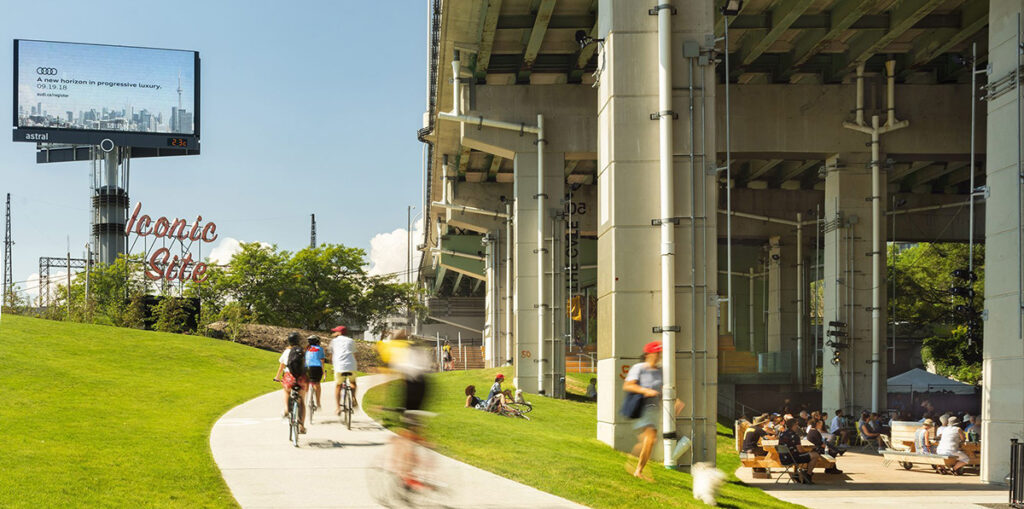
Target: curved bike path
{"type": "Point", "coordinates": [332, 465]}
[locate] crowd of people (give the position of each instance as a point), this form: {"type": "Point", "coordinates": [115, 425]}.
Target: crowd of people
{"type": "Point", "coordinates": [498, 398]}
{"type": "Point", "coordinates": [790, 431]}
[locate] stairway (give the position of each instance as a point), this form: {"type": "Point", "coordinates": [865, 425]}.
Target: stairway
{"type": "Point", "coordinates": [731, 361]}
{"type": "Point", "coordinates": [581, 362]}
{"type": "Point", "coordinates": [474, 357]}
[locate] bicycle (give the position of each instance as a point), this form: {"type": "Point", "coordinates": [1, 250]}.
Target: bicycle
{"type": "Point", "coordinates": [515, 410]}
{"type": "Point", "coordinates": [347, 399]}
{"type": "Point", "coordinates": [312, 404]}
{"type": "Point", "coordinates": [294, 413]}
{"type": "Point", "coordinates": [404, 473]}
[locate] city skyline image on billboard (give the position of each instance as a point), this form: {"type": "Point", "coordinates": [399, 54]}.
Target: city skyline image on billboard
{"type": "Point", "coordinates": [105, 88]}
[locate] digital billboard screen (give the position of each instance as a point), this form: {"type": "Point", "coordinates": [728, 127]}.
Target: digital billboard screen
{"type": "Point", "coordinates": [86, 93]}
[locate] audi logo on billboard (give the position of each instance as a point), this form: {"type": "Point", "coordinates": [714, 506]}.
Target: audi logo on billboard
{"type": "Point", "coordinates": [46, 71]}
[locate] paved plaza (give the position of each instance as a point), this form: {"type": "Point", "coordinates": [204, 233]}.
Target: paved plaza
{"type": "Point", "coordinates": [866, 482]}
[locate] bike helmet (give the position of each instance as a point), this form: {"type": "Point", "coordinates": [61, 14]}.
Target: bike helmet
{"type": "Point", "coordinates": [499, 377]}
{"type": "Point", "coordinates": [294, 338]}
{"type": "Point", "coordinates": [313, 340]}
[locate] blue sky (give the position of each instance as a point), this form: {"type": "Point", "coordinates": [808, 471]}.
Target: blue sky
{"type": "Point", "coordinates": [307, 107]}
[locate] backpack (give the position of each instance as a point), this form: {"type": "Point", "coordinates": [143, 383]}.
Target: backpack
{"type": "Point", "coordinates": [296, 362]}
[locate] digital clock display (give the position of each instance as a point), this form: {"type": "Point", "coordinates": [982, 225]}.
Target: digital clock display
{"type": "Point", "coordinates": [177, 142]}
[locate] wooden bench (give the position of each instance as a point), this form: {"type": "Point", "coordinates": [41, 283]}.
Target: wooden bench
{"type": "Point", "coordinates": [900, 448]}
{"type": "Point", "coordinates": [772, 459]}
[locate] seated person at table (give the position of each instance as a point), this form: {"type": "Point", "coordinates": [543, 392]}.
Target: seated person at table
{"type": "Point", "coordinates": [838, 427]}
{"type": "Point", "coordinates": [815, 437]}
{"type": "Point", "coordinates": [923, 437]}
{"type": "Point", "coordinates": [867, 430]}
{"type": "Point", "coordinates": [759, 429]}
{"type": "Point", "coordinates": [950, 438]}
{"type": "Point", "coordinates": [802, 461]}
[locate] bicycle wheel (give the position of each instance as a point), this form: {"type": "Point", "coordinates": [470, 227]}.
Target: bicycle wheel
{"type": "Point", "coordinates": [521, 407]}
{"type": "Point", "coordinates": [294, 432]}
{"type": "Point", "coordinates": [312, 405]}
{"type": "Point", "coordinates": [348, 407]}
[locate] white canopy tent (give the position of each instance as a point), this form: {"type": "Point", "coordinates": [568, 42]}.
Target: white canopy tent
{"type": "Point", "coordinates": [918, 380]}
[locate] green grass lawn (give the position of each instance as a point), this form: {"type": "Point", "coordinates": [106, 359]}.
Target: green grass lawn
{"type": "Point", "coordinates": [96, 416]}
{"type": "Point", "coordinates": [557, 452]}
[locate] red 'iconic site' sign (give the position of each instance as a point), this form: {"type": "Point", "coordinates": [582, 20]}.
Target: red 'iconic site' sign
{"type": "Point", "coordinates": [162, 265]}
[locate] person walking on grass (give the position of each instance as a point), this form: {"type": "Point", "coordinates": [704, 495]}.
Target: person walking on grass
{"type": "Point", "coordinates": [645, 379]}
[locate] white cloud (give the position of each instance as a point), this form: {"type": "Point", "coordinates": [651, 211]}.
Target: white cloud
{"type": "Point", "coordinates": [226, 249]}
{"type": "Point", "coordinates": [32, 287]}
{"type": "Point", "coordinates": [388, 251]}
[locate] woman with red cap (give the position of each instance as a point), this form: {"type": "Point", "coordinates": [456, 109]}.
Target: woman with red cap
{"type": "Point", "coordinates": [644, 378]}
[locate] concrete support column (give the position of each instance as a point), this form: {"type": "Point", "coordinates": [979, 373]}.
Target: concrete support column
{"type": "Point", "coordinates": [529, 374]}
{"type": "Point", "coordinates": [1002, 399]}
{"type": "Point", "coordinates": [847, 283]}
{"type": "Point", "coordinates": [492, 304]}
{"type": "Point", "coordinates": [629, 250]}
{"type": "Point", "coordinates": [782, 300]}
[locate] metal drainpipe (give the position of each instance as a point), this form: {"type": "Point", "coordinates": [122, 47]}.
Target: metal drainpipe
{"type": "Point", "coordinates": [541, 276]}
{"type": "Point", "coordinates": [750, 285]}
{"type": "Point", "coordinates": [508, 285]}
{"type": "Point", "coordinates": [799, 301]}
{"type": "Point", "coordinates": [667, 251]}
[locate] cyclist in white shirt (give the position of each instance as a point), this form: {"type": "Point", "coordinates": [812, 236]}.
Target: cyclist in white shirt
{"type": "Point", "coordinates": [343, 357]}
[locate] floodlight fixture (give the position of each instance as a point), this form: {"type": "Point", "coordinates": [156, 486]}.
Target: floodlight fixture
{"type": "Point", "coordinates": [584, 40]}
{"type": "Point", "coordinates": [732, 7]}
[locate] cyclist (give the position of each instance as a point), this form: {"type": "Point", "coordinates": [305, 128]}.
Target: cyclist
{"type": "Point", "coordinates": [343, 356]}
{"type": "Point", "coordinates": [315, 365]}
{"type": "Point", "coordinates": [285, 364]}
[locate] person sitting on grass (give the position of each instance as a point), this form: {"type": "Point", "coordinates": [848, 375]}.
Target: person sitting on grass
{"type": "Point", "coordinates": [496, 388]}
{"type": "Point", "coordinates": [592, 390]}
{"type": "Point", "coordinates": [471, 400]}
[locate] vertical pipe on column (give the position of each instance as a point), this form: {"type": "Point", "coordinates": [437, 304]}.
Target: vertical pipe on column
{"type": "Point", "coordinates": [860, 94]}
{"type": "Point", "coordinates": [750, 285]}
{"type": "Point", "coordinates": [876, 263]}
{"type": "Point", "coordinates": [667, 206]}
{"type": "Point", "coordinates": [799, 300]}
{"type": "Point", "coordinates": [508, 285]}
{"type": "Point", "coordinates": [970, 235]}
{"type": "Point", "coordinates": [1020, 175]}
{"type": "Point", "coordinates": [728, 188]}
{"type": "Point", "coordinates": [819, 308]}
{"type": "Point", "coordinates": [456, 89]}
{"type": "Point", "coordinates": [893, 317]}
{"type": "Point", "coordinates": [491, 341]}
{"type": "Point", "coordinates": [541, 276]}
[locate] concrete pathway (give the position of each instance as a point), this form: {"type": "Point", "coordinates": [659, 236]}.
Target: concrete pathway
{"type": "Point", "coordinates": [866, 482]}
{"type": "Point", "coordinates": [332, 465]}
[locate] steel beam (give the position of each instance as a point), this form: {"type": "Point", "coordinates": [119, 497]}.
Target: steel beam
{"type": "Point", "coordinates": [764, 168]}
{"type": "Point", "coordinates": [798, 170]}
{"type": "Point", "coordinates": [937, 171]}
{"type": "Point", "coordinates": [898, 175]}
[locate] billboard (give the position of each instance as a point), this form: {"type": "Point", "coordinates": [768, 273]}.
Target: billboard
{"type": "Point", "coordinates": [87, 93]}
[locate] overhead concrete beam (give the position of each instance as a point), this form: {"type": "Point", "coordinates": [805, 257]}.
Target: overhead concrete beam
{"type": "Point", "coordinates": [783, 14]}
{"type": "Point", "coordinates": [442, 271]}
{"type": "Point", "coordinates": [902, 18]}
{"type": "Point", "coordinates": [763, 168]}
{"type": "Point", "coordinates": [937, 171]}
{"type": "Point", "coordinates": [798, 169]}
{"type": "Point", "coordinates": [902, 173]}
{"type": "Point", "coordinates": [495, 164]}
{"type": "Point", "coordinates": [540, 27]}
{"type": "Point", "coordinates": [772, 122]}
{"type": "Point", "coordinates": [841, 18]}
{"type": "Point", "coordinates": [570, 166]}
{"type": "Point", "coordinates": [928, 47]}
{"type": "Point", "coordinates": [490, 28]}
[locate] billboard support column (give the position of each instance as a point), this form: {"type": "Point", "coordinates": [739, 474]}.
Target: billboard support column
{"type": "Point", "coordinates": [109, 202]}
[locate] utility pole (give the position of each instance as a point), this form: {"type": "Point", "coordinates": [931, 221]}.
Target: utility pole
{"type": "Point", "coordinates": [68, 297]}
{"type": "Point", "coordinates": [312, 231]}
{"type": "Point", "coordinates": [8, 267]}
{"type": "Point", "coordinates": [408, 244]}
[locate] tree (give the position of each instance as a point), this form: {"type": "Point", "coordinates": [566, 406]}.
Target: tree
{"type": "Point", "coordinates": [171, 315]}
{"type": "Point", "coordinates": [923, 275]}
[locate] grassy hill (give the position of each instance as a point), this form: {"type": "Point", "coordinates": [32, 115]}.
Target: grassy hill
{"type": "Point", "coordinates": [556, 451]}
{"type": "Point", "coordinates": [96, 416]}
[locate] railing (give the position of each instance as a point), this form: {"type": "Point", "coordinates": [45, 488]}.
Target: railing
{"type": "Point", "coordinates": [775, 362]}
{"type": "Point", "coordinates": [738, 409]}
{"type": "Point", "coordinates": [1016, 477]}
